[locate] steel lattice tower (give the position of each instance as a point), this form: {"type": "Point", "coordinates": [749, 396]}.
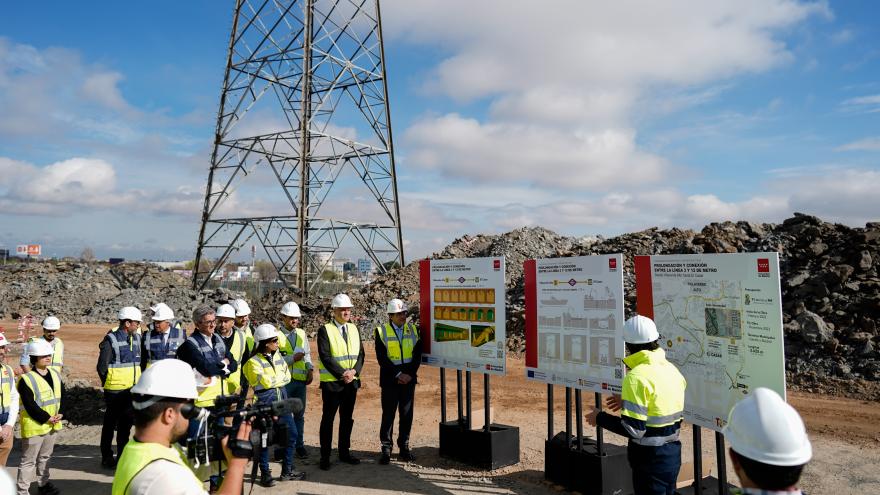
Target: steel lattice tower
{"type": "Point", "coordinates": [304, 103]}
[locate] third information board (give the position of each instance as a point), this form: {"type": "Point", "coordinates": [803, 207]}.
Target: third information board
{"type": "Point", "coordinates": [574, 321]}
{"type": "Point", "coordinates": [720, 322]}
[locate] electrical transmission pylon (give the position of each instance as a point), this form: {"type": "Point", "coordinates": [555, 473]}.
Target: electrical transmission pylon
{"type": "Point", "coordinates": [304, 108]}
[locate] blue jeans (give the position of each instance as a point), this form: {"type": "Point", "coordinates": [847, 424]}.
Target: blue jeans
{"type": "Point", "coordinates": [297, 390]}
{"type": "Point", "coordinates": [288, 450]}
{"type": "Point", "coordinates": [654, 469]}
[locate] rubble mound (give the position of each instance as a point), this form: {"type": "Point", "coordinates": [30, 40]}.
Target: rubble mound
{"type": "Point", "coordinates": [80, 292]}
{"type": "Point", "coordinates": [830, 288]}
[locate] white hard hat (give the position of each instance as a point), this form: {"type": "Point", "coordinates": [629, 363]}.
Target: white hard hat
{"type": "Point", "coordinates": [341, 301]}
{"type": "Point", "coordinates": [225, 311]}
{"type": "Point", "coordinates": [7, 484]}
{"type": "Point", "coordinates": [40, 347]}
{"type": "Point", "coordinates": [161, 312]}
{"type": "Point", "coordinates": [396, 306]}
{"type": "Point", "coordinates": [640, 330]}
{"type": "Point", "coordinates": [51, 323]}
{"type": "Point", "coordinates": [241, 307]}
{"type": "Point", "coordinates": [764, 428]}
{"type": "Point", "coordinates": [130, 313]}
{"type": "Point", "coordinates": [3, 340]}
{"type": "Point", "coordinates": [166, 378]}
{"type": "Point", "coordinates": [291, 309]}
{"type": "Point", "coordinates": [264, 332]}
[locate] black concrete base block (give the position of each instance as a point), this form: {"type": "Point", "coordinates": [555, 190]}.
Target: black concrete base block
{"type": "Point", "coordinates": [585, 470]}
{"type": "Point", "coordinates": [488, 449]}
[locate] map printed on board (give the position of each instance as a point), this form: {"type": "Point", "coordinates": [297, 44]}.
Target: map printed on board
{"type": "Point", "coordinates": [574, 321]}
{"type": "Point", "coordinates": [462, 314]}
{"type": "Point", "coordinates": [720, 321]}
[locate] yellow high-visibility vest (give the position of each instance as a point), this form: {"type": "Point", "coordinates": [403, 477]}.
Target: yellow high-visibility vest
{"type": "Point", "coordinates": [47, 398]}
{"type": "Point", "coordinates": [136, 456]}
{"type": "Point", "coordinates": [299, 370]}
{"type": "Point", "coordinates": [344, 351]}
{"type": "Point", "coordinates": [653, 391]}
{"type": "Point", "coordinates": [399, 352]}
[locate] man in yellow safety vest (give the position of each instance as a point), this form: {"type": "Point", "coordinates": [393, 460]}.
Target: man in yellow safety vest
{"type": "Point", "coordinates": [651, 406]}
{"type": "Point", "coordinates": [340, 359]}
{"type": "Point", "coordinates": [235, 341]}
{"type": "Point", "coordinates": [151, 463]}
{"type": "Point", "coordinates": [399, 352]}
{"type": "Point", "coordinates": [119, 367]}
{"type": "Point", "coordinates": [298, 354]}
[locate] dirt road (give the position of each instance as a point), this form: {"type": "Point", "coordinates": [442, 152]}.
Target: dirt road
{"type": "Point", "coordinates": [844, 433]}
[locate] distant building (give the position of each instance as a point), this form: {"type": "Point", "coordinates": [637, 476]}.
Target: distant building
{"type": "Point", "coordinates": [365, 266]}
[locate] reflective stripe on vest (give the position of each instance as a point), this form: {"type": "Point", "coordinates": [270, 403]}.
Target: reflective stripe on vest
{"type": "Point", "coordinates": [136, 456]}
{"type": "Point", "coordinates": [125, 365]}
{"type": "Point", "coordinates": [232, 383]}
{"type": "Point", "coordinates": [344, 352]}
{"type": "Point", "coordinates": [393, 344]}
{"type": "Point", "coordinates": [276, 371]}
{"type": "Point", "coordinates": [214, 354]}
{"type": "Point", "coordinates": [7, 375]}
{"type": "Point", "coordinates": [298, 370]}
{"type": "Point", "coordinates": [156, 351]}
{"type": "Point", "coordinates": [48, 399]}
{"type": "Point", "coordinates": [653, 392]}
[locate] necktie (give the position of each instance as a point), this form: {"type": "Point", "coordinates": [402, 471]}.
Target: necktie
{"type": "Point", "coordinates": [344, 334]}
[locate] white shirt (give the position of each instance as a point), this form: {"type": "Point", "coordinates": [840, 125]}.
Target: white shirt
{"type": "Point", "coordinates": [163, 477]}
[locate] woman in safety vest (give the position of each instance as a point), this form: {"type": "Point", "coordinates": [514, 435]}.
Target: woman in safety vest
{"type": "Point", "coordinates": [267, 373]}
{"type": "Point", "coordinates": [40, 391]}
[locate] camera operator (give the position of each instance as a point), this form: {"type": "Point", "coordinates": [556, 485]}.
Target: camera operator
{"type": "Point", "coordinates": [151, 463]}
{"type": "Point", "coordinates": [267, 373]}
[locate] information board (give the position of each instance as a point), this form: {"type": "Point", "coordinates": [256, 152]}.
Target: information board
{"type": "Point", "coordinates": [720, 321]}
{"type": "Point", "coordinates": [574, 321]}
{"type": "Point", "coordinates": [462, 314]}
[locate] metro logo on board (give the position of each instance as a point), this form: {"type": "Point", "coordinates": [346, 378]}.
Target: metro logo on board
{"type": "Point", "coordinates": [496, 264]}
{"type": "Point", "coordinates": [612, 264]}
{"type": "Point", "coordinates": [763, 265]}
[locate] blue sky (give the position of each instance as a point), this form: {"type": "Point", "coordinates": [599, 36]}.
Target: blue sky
{"type": "Point", "coordinates": [582, 117]}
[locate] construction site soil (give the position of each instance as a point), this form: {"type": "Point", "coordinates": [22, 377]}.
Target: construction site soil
{"type": "Point", "coordinates": [843, 431]}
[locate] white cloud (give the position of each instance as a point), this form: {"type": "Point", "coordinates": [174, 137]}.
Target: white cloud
{"type": "Point", "coordinates": [843, 36]}
{"type": "Point", "coordinates": [102, 88]}
{"type": "Point", "coordinates": [464, 148]}
{"type": "Point", "coordinates": [867, 104]}
{"type": "Point", "coordinates": [866, 144]}
{"type": "Point", "coordinates": [57, 188]}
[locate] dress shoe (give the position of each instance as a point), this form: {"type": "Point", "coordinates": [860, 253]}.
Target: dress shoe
{"type": "Point", "coordinates": [325, 464]}
{"type": "Point", "coordinates": [385, 458]}
{"type": "Point", "coordinates": [406, 455]}
{"type": "Point", "coordinates": [288, 474]}
{"type": "Point", "coordinates": [266, 479]}
{"type": "Point", "coordinates": [349, 459]}
{"type": "Point", "coordinates": [302, 453]}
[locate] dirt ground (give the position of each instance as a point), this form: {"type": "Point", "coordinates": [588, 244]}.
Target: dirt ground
{"type": "Point", "coordinates": [844, 433]}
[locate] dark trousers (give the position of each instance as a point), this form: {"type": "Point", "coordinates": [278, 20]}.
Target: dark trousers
{"type": "Point", "coordinates": [654, 469]}
{"type": "Point", "coordinates": [118, 418]}
{"type": "Point", "coordinates": [396, 398]}
{"type": "Point", "coordinates": [343, 401]}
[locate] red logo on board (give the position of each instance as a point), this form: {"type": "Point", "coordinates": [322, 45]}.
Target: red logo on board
{"type": "Point", "coordinates": [496, 264]}
{"type": "Point", "coordinates": [612, 263]}
{"type": "Point", "coordinates": [763, 265]}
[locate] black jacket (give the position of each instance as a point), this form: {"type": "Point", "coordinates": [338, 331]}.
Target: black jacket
{"type": "Point", "coordinates": [388, 370]}
{"type": "Point", "coordinates": [332, 366]}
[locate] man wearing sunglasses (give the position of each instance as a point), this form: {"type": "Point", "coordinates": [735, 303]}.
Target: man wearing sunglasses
{"type": "Point", "coordinates": [151, 463]}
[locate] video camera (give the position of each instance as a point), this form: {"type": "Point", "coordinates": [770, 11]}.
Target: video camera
{"type": "Point", "coordinates": [206, 447]}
